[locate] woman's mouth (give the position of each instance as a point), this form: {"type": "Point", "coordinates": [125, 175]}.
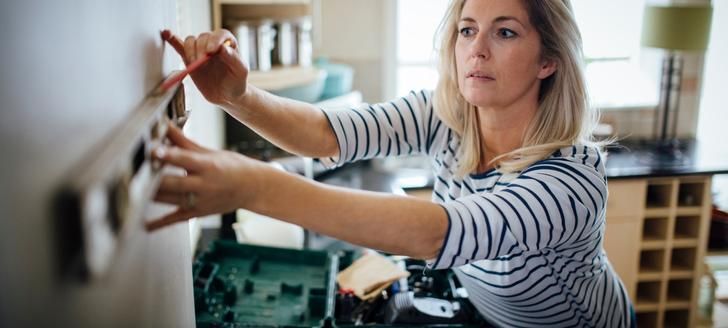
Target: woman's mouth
{"type": "Point", "coordinates": [480, 76]}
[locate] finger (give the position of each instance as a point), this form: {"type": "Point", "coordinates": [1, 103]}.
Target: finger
{"type": "Point", "coordinates": [190, 49]}
{"type": "Point", "coordinates": [175, 42]}
{"type": "Point", "coordinates": [178, 138]}
{"type": "Point", "coordinates": [201, 45]}
{"type": "Point", "coordinates": [174, 217]}
{"type": "Point", "coordinates": [178, 184]}
{"type": "Point", "coordinates": [186, 159]}
{"type": "Point", "coordinates": [173, 198]}
{"type": "Point", "coordinates": [218, 38]}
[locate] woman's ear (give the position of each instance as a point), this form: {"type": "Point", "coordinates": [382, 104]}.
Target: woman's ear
{"type": "Point", "coordinates": [548, 67]}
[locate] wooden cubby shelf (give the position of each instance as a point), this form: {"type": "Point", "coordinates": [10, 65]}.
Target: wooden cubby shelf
{"type": "Point", "coordinates": [647, 319]}
{"type": "Point", "coordinates": [679, 290]}
{"type": "Point", "coordinates": [676, 318]}
{"type": "Point", "coordinates": [683, 259]}
{"type": "Point", "coordinates": [654, 229]}
{"type": "Point", "coordinates": [659, 195]}
{"type": "Point", "coordinates": [657, 231]}
{"type": "Point", "coordinates": [690, 194]}
{"type": "Point", "coordinates": [652, 261]}
{"type": "Point", "coordinates": [648, 292]}
{"type": "Point", "coordinates": [687, 227]}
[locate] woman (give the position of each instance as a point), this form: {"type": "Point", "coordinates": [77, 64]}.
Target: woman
{"type": "Point", "coordinates": [519, 201]}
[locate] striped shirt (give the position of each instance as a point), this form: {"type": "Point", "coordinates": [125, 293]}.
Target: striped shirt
{"type": "Point", "coordinates": [526, 246]}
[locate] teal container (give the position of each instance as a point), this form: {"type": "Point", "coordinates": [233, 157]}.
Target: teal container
{"type": "Point", "coordinates": [339, 78]}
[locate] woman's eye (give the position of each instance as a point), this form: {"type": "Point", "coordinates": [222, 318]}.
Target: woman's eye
{"type": "Point", "coordinates": [506, 33]}
{"type": "Point", "coordinates": [466, 31]}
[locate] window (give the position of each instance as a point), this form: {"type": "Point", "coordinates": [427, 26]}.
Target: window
{"type": "Point", "coordinates": [619, 72]}
{"type": "Point", "coordinates": [417, 23]}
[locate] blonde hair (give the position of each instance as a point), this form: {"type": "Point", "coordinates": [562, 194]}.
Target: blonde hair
{"type": "Point", "coordinates": [563, 118]}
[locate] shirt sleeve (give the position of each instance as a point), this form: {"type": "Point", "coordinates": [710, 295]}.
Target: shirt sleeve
{"type": "Point", "coordinates": [400, 127]}
{"type": "Point", "coordinates": [555, 203]}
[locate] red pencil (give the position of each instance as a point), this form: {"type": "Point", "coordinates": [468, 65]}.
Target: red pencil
{"type": "Point", "coordinates": [177, 78]}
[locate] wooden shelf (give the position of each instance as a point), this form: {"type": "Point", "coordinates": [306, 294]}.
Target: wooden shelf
{"type": "Point", "coordinates": [226, 11]}
{"type": "Point", "coordinates": [649, 276]}
{"type": "Point", "coordinates": [280, 78]}
{"type": "Point", "coordinates": [684, 242]}
{"type": "Point", "coordinates": [670, 217]}
{"type": "Point", "coordinates": [689, 211]}
{"type": "Point", "coordinates": [657, 212]}
{"type": "Point", "coordinates": [653, 244]}
{"type": "Point", "coordinates": [262, 2]}
{"type": "Point", "coordinates": [673, 304]}
{"type": "Point", "coordinates": [645, 307]}
{"type": "Point", "coordinates": [677, 274]}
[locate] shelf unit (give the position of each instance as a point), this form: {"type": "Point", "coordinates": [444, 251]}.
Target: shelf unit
{"type": "Point", "coordinates": [223, 10]}
{"type": "Point", "coordinates": [279, 77]}
{"type": "Point", "coordinates": [656, 239]}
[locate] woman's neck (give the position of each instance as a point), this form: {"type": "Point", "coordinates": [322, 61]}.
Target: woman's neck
{"type": "Point", "coordinates": [502, 130]}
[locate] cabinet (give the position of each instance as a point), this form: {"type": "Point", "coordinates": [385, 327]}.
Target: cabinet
{"type": "Point", "coordinates": [656, 236]}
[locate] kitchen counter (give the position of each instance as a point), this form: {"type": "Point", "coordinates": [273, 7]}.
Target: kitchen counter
{"type": "Point", "coordinates": [640, 160]}
{"type": "Point", "coordinates": [628, 160]}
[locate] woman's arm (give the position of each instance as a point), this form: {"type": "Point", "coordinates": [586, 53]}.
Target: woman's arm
{"type": "Point", "coordinates": [395, 224]}
{"type": "Point", "coordinates": [295, 126]}
{"type": "Point", "coordinates": [223, 181]}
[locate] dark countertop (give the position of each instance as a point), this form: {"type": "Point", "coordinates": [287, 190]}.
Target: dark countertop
{"type": "Point", "coordinates": [628, 160]}
{"type": "Point", "coordinates": [641, 159]}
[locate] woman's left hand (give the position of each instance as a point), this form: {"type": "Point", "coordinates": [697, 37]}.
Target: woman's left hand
{"type": "Point", "coordinates": [216, 181]}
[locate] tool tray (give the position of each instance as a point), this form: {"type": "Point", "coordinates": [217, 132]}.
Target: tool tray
{"type": "Point", "coordinates": [239, 285]}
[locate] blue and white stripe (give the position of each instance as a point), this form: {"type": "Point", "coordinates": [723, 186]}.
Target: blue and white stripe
{"type": "Point", "coordinates": [527, 246]}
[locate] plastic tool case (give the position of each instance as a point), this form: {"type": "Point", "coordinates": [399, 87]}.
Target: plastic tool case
{"type": "Point", "coordinates": [239, 285]}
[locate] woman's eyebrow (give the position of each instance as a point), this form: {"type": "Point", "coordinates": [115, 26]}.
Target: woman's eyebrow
{"type": "Point", "coordinates": [498, 19]}
{"type": "Point", "coordinates": [467, 19]}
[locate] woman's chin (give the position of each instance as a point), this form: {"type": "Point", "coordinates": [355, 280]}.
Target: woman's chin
{"type": "Point", "coordinates": [478, 99]}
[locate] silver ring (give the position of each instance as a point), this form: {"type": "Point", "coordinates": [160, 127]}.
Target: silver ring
{"type": "Point", "coordinates": [191, 199]}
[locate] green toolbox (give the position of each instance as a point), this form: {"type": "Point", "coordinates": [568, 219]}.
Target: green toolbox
{"type": "Point", "coordinates": [239, 285]}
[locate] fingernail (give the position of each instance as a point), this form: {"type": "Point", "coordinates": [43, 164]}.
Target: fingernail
{"type": "Point", "coordinates": [160, 152]}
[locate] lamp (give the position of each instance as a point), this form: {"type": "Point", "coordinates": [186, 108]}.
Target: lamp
{"type": "Point", "coordinates": [675, 29]}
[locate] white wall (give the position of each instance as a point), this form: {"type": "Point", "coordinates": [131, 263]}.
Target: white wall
{"type": "Point", "coordinates": [354, 32]}
{"type": "Point", "coordinates": [74, 72]}
{"type": "Point", "coordinates": [206, 125]}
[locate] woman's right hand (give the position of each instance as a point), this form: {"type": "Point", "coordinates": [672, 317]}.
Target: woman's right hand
{"type": "Point", "coordinates": [223, 79]}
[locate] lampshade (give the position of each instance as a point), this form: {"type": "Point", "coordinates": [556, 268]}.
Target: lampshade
{"type": "Point", "coordinates": [676, 28]}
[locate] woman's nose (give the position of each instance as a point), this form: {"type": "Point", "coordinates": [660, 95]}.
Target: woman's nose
{"type": "Point", "coordinates": [480, 47]}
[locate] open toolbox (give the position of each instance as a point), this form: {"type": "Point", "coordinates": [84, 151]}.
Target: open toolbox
{"type": "Point", "coordinates": [238, 285]}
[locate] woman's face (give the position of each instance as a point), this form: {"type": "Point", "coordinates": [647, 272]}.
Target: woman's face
{"type": "Point", "coordinates": [497, 54]}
